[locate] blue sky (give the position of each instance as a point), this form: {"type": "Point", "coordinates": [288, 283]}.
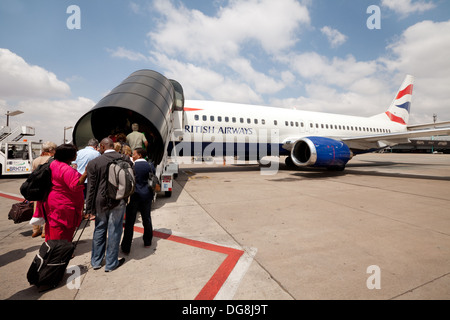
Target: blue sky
{"type": "Point", "coordinates": [315, 55]}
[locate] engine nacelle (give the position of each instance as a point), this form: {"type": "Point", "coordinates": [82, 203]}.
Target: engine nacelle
{"type": "Point", "coordinates": [320, 152]}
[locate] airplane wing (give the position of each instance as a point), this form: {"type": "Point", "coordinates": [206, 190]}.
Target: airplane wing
{"type": "Point", "coordinates": [434, 125]}
{"type": "Point", "coordinates": [391, 139]}
{"type": "Point", "coordinates": [377, 141]}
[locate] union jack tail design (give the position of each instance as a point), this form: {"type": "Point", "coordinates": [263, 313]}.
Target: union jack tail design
{"type": "Point", "coordinates": [399, 109]}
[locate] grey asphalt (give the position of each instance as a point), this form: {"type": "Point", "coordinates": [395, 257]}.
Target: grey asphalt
{"type": "Point", "coordinates": [379, 230]}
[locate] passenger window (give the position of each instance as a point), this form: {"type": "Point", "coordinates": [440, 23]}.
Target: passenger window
{"type": "Point", "coordinates": [275, 122]}
{"type": "Point", "coordinates": [234, 120]}
{"type": "Point", "coordinates": [263, 121]}
{"type": "Point", "coordinates": [242, 120]}
{"type": "Point", "coordinates": [196, 117]}
{"type": "Point", "coordinates": [227, 119]}
{"type": "Point", "coordinates": [256, 121]}
{"type": "Point", "coordinates": [219, 119]}
{"type": "Point", "coordinates": [286, 123]}
{"type": "Point", "coordinates": [249, 120]}
{"type": "Point", "coordinates": [205, 118]}
{"type": "Point", "coordinates": [212, 118]}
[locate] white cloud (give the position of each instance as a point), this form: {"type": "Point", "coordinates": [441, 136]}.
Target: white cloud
{"type": "Point", "coordinates": [272, 24]}
{"type": "Point", "coordinates": [422, 50]}
{"type": "Point", "coordinates": [204, 83]}
{"type": "Point", "coordinates": [335, 38]}
{"type": "Point", "coordinates": [260, 81]}
{"type": "Point", "coordinates": [40, 95]}
{"type": "Point", "coordinates": [209, 56]}
{"type": "Point", "coordinates": [121, 52]}
{"type": "Point", "coordinates": [215, 47]}
{"type": "Point", "coordinates": [49, 117]}
{"type": "Point", "coordinates": [407, 7]}
{"type": "Point", "coordinates": [336, 71]}
{"type": "Point", "coordinates": [350, 86]}
{"type": "Point", "coordinates": [20, 79]}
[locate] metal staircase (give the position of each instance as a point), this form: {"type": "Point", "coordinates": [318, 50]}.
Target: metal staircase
{"type": "Point", "coordinates": [13, 135]}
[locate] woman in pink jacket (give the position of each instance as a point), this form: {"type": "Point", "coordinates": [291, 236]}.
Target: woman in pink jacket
{"type": "Point", "coordinates": [65, 201]}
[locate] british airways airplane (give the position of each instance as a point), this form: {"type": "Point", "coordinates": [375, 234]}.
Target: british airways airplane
{"type": "Point", "coordinates": [308, 139]}
{"type": "Point", "coordinates": [218, 129]}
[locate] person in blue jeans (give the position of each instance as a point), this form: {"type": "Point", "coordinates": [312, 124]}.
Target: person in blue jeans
{"type": "Point", "coordinates": [106, 239]}
{"type": "Point", "coordinates": [108, 213]}
{"type": "Point", "coordinates": [140, 200]}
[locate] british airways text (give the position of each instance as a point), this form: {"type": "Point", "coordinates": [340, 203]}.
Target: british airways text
{"type": "Point", "coordinates": [218, 130]}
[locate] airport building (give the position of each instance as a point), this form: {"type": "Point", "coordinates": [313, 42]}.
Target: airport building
{"type": "Point", "coordinates": [439, 144]}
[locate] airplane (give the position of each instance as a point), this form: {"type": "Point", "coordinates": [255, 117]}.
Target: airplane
{"type": "Point", "coordinates": [307, 139]}
{"type": "Point", "coordinates": [205, 129]}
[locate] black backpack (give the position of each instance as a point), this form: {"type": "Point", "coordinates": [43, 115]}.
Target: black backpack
{"type": "Point", "coordinates": [38, 184]}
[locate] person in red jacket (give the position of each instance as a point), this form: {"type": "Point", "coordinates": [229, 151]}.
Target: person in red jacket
{"type": "Point", "coordinates": [64, 206]}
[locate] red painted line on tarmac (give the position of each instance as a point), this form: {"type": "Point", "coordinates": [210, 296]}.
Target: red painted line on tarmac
{"type": "Point", "coordinates": [216, 282]}
{"type": "Point", "coordinates": [11, 197]}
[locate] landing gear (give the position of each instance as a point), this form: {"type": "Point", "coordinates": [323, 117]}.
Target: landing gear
{"type": "Point", "coordinates": [336, 168]}
{"type": "Point", "coordinates": [289, 163]}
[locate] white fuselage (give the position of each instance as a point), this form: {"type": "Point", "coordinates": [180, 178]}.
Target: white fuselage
{"type": "Point", "coordinates": [211, 121]}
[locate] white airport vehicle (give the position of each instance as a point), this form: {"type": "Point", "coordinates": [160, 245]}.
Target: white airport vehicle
{"type": "Point", "coordinates": [16, 151]}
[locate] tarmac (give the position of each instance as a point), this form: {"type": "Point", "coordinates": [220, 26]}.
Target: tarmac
{"type": "Point", "coordinates": [380, 230]}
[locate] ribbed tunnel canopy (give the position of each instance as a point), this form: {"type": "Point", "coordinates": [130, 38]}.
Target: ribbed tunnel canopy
{"type": "Point", "coordinates": [146, 97]}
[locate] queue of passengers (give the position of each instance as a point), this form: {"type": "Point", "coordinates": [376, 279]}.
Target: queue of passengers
{"type": "Point", "coordinates": [78, 193]}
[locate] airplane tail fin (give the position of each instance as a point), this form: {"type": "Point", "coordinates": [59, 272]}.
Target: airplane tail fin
{"type": "Point", "coordinates": [400, 107]}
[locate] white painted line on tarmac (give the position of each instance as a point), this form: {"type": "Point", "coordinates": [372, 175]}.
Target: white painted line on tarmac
{"type": "Point", "coordinates": [233, 281]}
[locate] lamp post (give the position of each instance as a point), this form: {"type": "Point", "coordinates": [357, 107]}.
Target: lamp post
{"type": "Point", "coordinates": [432, 137]}
{"type": "Point", "coordinates": [65, 129]}
{"type": "Point", "coordinates": [11, 114]}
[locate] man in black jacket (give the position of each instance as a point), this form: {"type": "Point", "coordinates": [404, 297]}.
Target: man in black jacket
{"type": "Point", "coordinates": [108, 213]}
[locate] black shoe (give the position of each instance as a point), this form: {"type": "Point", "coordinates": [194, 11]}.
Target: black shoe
{"type": "Point", "coordinates": [121, 262]}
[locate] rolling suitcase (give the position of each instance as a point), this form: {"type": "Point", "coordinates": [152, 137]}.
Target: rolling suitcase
{"type": "Point", "coordinates": [49, 265]}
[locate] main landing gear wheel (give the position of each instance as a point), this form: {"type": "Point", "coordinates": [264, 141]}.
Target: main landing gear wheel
{"type": "Point", "coordinates": [289, 163]}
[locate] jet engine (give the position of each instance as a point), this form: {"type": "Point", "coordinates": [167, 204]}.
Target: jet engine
{"type": "Point", "coordinates": [320, 152]}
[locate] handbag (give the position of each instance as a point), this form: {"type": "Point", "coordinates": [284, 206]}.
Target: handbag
{"type": "Point", "coordinates": [21, 212]}
{"type": "Point", "coordinates": [153, 182]}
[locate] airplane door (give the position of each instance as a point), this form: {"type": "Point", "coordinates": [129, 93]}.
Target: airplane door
{"type": "Point", "coordinates": [302, 126]}
{"type": "Point", "coordinates": [311, 127]}
{"type": "Point", "coordinates": [308, 128]}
